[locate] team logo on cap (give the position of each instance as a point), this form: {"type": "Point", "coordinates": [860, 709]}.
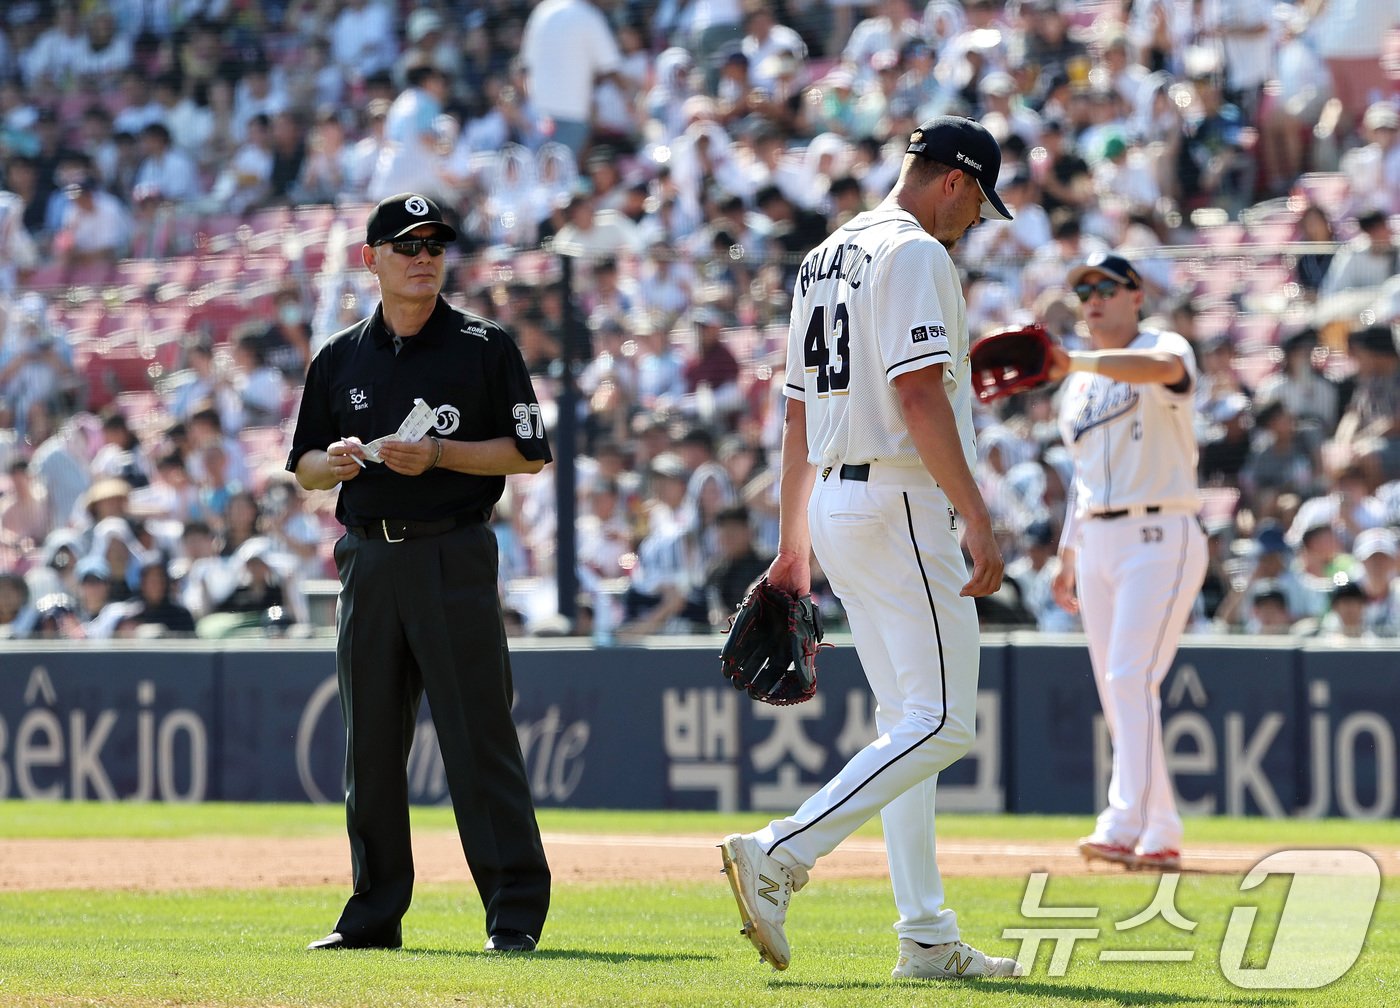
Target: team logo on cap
{"type": "Point", "coordinates": [416, 205]}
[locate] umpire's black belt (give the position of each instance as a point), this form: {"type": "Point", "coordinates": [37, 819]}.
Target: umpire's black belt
{"type": "Point", "coordinates": [1136, 511]}
{"type": "Point", "coordinates": [399, 529]}
{"type": "Point", "coordinates": [859, 473]}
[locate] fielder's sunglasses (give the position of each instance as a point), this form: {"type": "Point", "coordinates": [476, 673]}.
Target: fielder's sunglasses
{"type": "Point", "coordinates": [412, 246]}
{"type": "Point", "coordinates": [1105, 289]}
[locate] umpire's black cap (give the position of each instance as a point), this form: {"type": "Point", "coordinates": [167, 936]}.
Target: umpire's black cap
{"type": "Point", "coordinates": [1111, 265]}
{"type": "Point", "coordinates": [397, 215]}
{"type": "Point", "coordinates": [963, 143]}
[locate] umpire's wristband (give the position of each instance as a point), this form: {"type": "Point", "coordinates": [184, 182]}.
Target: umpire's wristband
{"type": "Point", "coordinates": [438, 457]}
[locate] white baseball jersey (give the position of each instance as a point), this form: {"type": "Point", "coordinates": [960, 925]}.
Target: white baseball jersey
{"type": "Point", "coordinates": [880, 266]}
{"type": "Point", "coordinates": [878, 299]}
{"type": "Point", "coordinates": [1137, 575]}
{"type": "Point", "coordinates": [1132, 444]}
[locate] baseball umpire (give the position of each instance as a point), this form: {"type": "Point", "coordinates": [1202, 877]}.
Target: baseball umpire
{"type": "Point", "coordinates": [419, 609]}
{"type": "Point", "coordinates": [876, 479]}
{"type": "Point", "coordinates": [1133, 547]}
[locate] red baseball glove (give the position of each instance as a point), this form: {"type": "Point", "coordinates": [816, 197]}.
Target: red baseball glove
{"type": "Point", "coordinates": [1010, 360]}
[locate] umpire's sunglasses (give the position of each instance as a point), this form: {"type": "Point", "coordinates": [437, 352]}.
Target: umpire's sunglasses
{"type": "Point", "coordinates": [1105, 289]}
{"type": "Point", "coordinates": [412, 246]}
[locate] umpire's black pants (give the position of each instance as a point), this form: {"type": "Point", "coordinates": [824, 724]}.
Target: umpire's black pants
{"type": "Point", "coordinates": [424, 614]}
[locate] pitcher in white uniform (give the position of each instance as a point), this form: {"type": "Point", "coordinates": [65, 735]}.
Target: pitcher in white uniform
{"type": "Point", "coordinates": [876, 479]}
{"type": "Point", "coordinates": [1133, 553]}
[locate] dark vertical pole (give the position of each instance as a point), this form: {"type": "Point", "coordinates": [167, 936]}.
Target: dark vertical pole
{"type": "Point", "coordinates": [574, 341]}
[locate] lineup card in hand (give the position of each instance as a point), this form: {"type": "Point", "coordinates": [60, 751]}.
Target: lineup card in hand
{"type": "Point", "coordinates": [419, 421]}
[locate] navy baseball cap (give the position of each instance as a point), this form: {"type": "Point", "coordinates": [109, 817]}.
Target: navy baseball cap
{"type": "Point", "coordinates": [1111, 265]}
{"type": "Point", "coordinates": [965, 144]}
{"type": "Point", "coordinates": [395, 216]}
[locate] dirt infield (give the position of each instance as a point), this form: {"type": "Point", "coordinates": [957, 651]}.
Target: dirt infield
{"type": "Point", "coordinates": [249, 863]}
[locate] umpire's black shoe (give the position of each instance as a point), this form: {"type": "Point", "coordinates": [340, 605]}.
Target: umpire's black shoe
{"type": "Point", "coordinates": [507, 940]}
{"type": "Point", "coordinates": [336, 940]}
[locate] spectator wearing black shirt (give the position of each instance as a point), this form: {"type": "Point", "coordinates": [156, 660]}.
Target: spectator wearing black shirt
{"type": "Point", "coordinates": [795, 231]}
{"type": "Point", "coordinates": [737, 566]}
{"type": "Point", "coordinates": [154, 606]}
{"type": "Point", "coordinates": [1224, 456]}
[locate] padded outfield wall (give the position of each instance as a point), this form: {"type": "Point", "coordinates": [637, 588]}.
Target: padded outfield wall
{"type": "Point", "coordinates": [1274, 728]}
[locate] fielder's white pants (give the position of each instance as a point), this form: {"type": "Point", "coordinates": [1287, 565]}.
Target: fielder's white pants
{"type": "Point", "coordinates": [890, 554]}
{"type": "Point", "coordinates": [1138, 579]}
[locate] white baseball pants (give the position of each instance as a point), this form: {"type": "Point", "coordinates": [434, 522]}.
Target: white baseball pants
{"type": "Point", "coordinates": [1138, 579]}
{"type": "Point", "coordinates": [890, 553]}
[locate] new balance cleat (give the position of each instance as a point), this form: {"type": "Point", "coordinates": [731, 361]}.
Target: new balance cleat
{"type": "Point", "coordinates": [1101, 850]}
{"type": "Point", "coordinates": [950, 961]}
{"type": "Point", "coordinates": [762, 888]}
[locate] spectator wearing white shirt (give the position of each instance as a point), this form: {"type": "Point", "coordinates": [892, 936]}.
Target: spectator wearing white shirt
{"type": "Point", "coordinates": [259, 92]}
{"type": "Point", "coordinates": [366, 151]}
{"type": "Point", "coordinates": [363, 39]}
{"type": "Point", "coordinates": [165, 174]}
{"type": "Point", "coordinates": [998, 91]}
{"type": "Point", "coordinates": [765, 37]}
{"type": "Point", "coordinates": [1367, 261]}
{"type": "Point", "coordinates": [428, 43]}
{"type": "Point", "coordinates": [138, 109]}
{"type": "Point", "coordinates": [56, 57]}
{"type": "Point", "coordinates": [412, 159]}
{"type": "Point", "coordinates": [1001, 248]}
{"type": "Point", "coordinates": [1377, 568]}
{"type": "Point", "coordinates": [1350, 35]}
{"type": "Point", "coordinates": [191, 125]}
{"type": "Point", "coordinates": [1126, 174]}
{"type": "Point", "coordinates": [96, 226]}
{"type": "Point", "coordinates": [245, 181]}
{"type": "Point", "coordinates": [1373, 169]}
{"type": "Point", "coordinates": [17, 248]}
{"type": "Point", "coordinates": [892, 26]}
{"type": "Point", "coordinates": [106, 53]}
{"type": "Point", "coordinates": [566, 49]}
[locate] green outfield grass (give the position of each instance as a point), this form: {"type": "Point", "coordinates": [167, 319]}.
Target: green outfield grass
{"type": "Point", "coordinates": [668, 944]}
{"type": "Point", "coordinates": [30, 819]}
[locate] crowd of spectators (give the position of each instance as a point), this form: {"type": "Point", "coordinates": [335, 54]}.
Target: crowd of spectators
{"type": "Point", "coordinates": [681, 157]}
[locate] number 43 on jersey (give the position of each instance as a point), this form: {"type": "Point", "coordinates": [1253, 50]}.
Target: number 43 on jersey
{"type": "Point", "coordinates": [831, 361]}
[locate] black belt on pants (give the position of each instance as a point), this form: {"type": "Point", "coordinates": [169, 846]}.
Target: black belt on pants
{"type": "Point", "coordinates": [1150, 509]}
{"type": "Point", "coordinates": [859, 473]}
{"type": "Point", "coordinates": [399, 529]}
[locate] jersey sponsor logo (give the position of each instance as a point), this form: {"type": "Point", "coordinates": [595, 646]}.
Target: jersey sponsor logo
{"type": "Point", "coordinates": [416, 205]}
{"type": "Point", "coordinates": [447, 419]}
{"type": "Point", "coordinates": [923, 333]}
{"type": "Point", "coordinates": [359, 399]}
{"type": "Point", "coordinates": [1118, 400]}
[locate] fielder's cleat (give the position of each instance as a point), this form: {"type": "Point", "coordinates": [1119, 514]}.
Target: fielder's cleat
{"type": "Point", "coordinates": [950, 961]}
{"type": "Point", "coordinates": [762, 887]}
{"type": "Point", "coordinates": [1100, 850]}
{"type": "Point", "coordinates": [1159, 860]}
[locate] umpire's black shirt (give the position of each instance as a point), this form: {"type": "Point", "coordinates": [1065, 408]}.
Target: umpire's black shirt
{"type": "Point", "coordinates": [464, 366]}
